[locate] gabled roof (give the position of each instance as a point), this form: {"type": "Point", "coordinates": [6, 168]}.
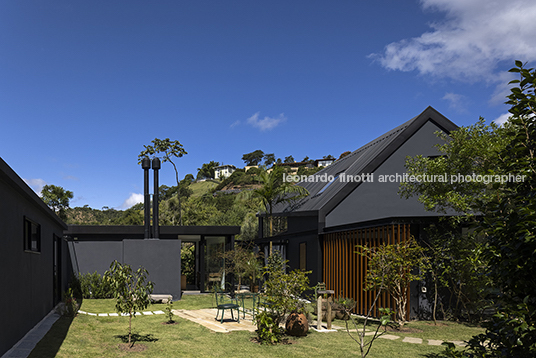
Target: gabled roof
{"type": "Point", "coordinates": [225, 166]}
{"type": "Point", "coordinates": [9, 176]}
{"type": "Point", "coordinates": [323, 197]}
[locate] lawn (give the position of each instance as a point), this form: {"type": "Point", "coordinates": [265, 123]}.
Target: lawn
{"type": "Point", "coordinates": [202, 187]}
{"type": "Point", "coordinates": [93, 336]}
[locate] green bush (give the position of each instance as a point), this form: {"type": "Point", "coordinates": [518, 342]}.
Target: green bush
{"type": "Point", "coordinates": [93, 285]}
{"type": "Point", "coordinates": [268, 329]}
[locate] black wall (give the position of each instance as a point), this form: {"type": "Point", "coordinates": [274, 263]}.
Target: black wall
{"type": "Point", "coordinates": [161, 258]}
{"type": "Point", "coordinates": [27, 280]}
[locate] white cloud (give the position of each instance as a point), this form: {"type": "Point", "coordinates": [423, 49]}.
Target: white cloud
{"type": "Point", "coordinates": [502, 119]}
{"type": "Point", "coordinates": [133, 199]}
{"type": "Point", "coordinates": [266, 123]}
{"type": "Point", "coordinates": [469, 44]}
{"type": "Point", "coordinates": [457, 102]}
{"type": "Point", "coordinates": [36, 184]}
{"type": "Point", "coordinates": [235, 123]}
{"type": "Point", "coordinates": [71, 177]}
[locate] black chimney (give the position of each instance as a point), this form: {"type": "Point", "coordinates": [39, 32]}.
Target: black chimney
{"type": "Point", "coordinates": [156, 167]}
{"type": "Point", "coordinates": [146, 165]}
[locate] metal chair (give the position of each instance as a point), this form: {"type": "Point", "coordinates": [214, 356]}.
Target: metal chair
{"type": "Point", "coordinates": [223, 302]}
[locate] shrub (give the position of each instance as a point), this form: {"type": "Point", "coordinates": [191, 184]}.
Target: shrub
{"type": "Point", "coordinates": [268, 330]}
{"type": "Point", "coordinates": [93, 285]}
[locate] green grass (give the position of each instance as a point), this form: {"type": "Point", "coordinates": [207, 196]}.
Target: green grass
{"type": "Point", "coordinates": [93, 336]}
{"type": "Point", "coordinates": [203, 187]}
{"type": "Point", "coordinates": [188, 302]}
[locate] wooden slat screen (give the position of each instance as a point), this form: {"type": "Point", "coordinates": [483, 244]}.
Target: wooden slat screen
{"type": "Point", "coordinates": [345, 271]}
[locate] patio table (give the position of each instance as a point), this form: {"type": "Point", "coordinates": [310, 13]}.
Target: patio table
{"type": "Point", "coordinates": [242, 296]}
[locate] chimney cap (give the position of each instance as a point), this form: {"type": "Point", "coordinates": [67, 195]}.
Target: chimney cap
{"type": "Point", "coordinates": [156, 163]}
{"type": "Point", "coordinates": [146, 163]}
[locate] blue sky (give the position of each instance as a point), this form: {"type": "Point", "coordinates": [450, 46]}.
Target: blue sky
{"type": "Point", "coordinates": [85, 84]}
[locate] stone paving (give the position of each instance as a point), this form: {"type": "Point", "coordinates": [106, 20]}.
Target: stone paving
{"type": "Point", "coordinates": [207, 318]}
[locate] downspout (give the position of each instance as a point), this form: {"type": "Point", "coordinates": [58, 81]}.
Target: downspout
{"type": "Point", "coordinates": [156, 167]}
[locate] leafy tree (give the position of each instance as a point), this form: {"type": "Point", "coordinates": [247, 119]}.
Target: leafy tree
{"type": "Point", "coordinates": [188, 178]}
{"type": "Point", "coordinates": [131, 216]}
{"type": "Point", "coordinates": [390, 269]}
{"type": "Point", "coordinates": [510, 226]}
{"type": "Point", "coordinates": [253, 158]}
{"type": "Point", "coordinates": [329, 156]}
{"type": "Point", "coordinates": [467, 151]}
{"type": "Point", "coordinates": [458, 264]}
{"type": "Point", "coordinates": [289, 159]}
{"type": "Point", "coordinates": [56, 198]}
{"type": "Point", "coordinates": [170, 149]}
{"type": "Point", "coordinates": [345, 154]}
{"type": "Point", "coordinates": [131, 290]}
{"type": "Point", "coordinates": [207, 170]}
{"type": "Point", "coordinates": [237, 262]}
{"type": "Point", "coordinates": [275, 190]}
{"type": "Point", "coordinates": [308, 171]}
{"type": "Point", "coordinates": [283, 296]}
{"type": "Point", "coordinates": [269, 159]}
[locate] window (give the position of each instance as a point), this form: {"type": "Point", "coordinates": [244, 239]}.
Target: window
{"type": "Point", "coordinates": [328, 184]}
{"type": "Point", "coordinates": [32, 236]}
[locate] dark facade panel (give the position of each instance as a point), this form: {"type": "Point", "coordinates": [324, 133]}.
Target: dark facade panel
{"type": "Point", "coordinates": [376, 200]}
{"type": "Point", "coordinates": [94, 256]}
{"type": "Point", "coordinates": [27, 278]}
{"type": "Point", "coordinates": [161, 258]}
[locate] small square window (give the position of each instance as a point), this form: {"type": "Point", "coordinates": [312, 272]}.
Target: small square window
{"type": "Point", "coordinates": [32, 236]}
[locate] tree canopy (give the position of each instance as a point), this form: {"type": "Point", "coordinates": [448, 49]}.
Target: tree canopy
{"type": "Point", "coordinates": [472, 150]}
{"type": "Point", "coordinates": [253, 158]}
{"type": "Point", "coordinates": [207, 170]}
{"type": "Point", "coordinates": [169, 150]}
{"type": "Point", "coordinates": [56, 198]}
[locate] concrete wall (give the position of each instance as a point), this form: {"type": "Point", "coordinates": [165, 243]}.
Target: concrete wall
{"type": "Point", "coordinates": [26, 282]}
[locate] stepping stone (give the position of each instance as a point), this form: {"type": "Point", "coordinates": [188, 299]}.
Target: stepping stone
{"type": "Point", "coordinates": [103, 314]}
{"type": "Point", "coordinates": [158, 312]}
{"type": "Point", "coordinates": [390, 337]}
{"type": "Point", "coordinates": [459, 343]}
{"type": "Point", "coordinates": [434, 342]}
{"type": "Point", "coordinates": [113, 314]}
{"type": "Point", "coordinates": [148, 313]}
{"type": "Point", "coordinates": [412, 340]}
{"type": "Point", "coordinates": [124, 314]}
{"type": "Point", "coordinates": [92, 314]}
{"type": "Point", "coordinates": [83, 312]}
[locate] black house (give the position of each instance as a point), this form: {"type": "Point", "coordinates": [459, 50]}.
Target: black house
{"type": "Point", "coordinates": [39, 253]}
{"type": "Point", "coordinates": [32, 258]}
{"type": "Point", "coordinates": [355, 201]}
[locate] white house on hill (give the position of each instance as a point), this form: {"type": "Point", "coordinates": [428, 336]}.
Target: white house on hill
{"type": "Point", "coordinates": [223, 171]}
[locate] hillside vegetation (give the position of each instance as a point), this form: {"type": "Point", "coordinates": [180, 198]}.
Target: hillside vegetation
{"type": "Point", "coordinates": [202, 203]}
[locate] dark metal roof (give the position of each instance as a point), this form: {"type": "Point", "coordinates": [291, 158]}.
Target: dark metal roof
{"type": "Point", "coordinates": [137, 231]}
{"type": "Point", "coordinates": [324, 197]}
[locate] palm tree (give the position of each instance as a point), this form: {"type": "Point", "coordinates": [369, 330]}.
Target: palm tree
{"type": "Point", "coordinates": [275, 190]}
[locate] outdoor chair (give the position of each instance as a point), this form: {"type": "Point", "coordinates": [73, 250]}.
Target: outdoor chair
{"type": "Point", "coordinates": [223, 302]}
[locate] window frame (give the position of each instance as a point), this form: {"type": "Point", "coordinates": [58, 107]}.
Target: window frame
{"type": "Point", "coordinates": [31, 235]}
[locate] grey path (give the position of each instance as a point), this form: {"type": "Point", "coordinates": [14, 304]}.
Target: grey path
{"type": "Point", "coordinates": [25, 346]}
